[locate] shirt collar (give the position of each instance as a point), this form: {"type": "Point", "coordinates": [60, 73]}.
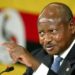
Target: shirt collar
{"type": "Point", "coordinates": [65, 53]}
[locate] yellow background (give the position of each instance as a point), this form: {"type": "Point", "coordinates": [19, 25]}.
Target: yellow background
{"type": "Point", "coordinates": [33, 6]}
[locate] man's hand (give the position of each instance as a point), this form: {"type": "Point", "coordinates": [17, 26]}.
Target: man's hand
{"type": "Point", "coordinates": [18, 53]}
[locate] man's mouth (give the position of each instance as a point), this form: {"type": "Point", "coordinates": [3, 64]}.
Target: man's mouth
{"type": "Point", "coordinates": [49, 47]}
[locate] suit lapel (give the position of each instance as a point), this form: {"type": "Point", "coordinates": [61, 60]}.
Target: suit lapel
{"type": "Point", "coordinates": [66, 65]}
{"type": "Point", "coordinates": [44, 57]}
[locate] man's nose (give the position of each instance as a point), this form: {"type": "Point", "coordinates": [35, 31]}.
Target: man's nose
{"type": "Point", "coordinates": [47, 38]}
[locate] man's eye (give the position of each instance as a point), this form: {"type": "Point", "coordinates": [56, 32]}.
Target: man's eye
{"type": "Point", "coordinates": [53, 31]}
{"type": "Point", "coordinates": [41, 33]}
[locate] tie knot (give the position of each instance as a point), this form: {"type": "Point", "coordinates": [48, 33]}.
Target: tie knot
{"type": "Point", "coordinates": [58, 59]}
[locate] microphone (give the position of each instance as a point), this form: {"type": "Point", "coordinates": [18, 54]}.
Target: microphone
{"type": "Point", "coordinates": [8, 69]}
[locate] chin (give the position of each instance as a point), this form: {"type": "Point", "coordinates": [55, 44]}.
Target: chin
{"type": "Point", "coordinates": [52, 53]}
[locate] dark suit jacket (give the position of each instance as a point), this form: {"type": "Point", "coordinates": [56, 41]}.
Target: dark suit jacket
{"type": "Point", "coordinates": [67, 67]}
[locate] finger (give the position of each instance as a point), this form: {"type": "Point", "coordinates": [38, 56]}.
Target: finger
{"type": "Point", "coordinates": [14, 57]}
{"type": "Point", "coordinates": [9, 45]}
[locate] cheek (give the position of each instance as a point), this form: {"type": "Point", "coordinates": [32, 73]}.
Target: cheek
{"type": "Point", "coordinates": [41, 39]}
{"type": "Point", "coordinates": [60, 38]}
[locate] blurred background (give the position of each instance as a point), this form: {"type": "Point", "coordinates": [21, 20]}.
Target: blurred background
{"type": "Point", "coordinates": [18, 22]}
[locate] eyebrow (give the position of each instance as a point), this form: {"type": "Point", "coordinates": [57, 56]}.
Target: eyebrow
{"type": "Point", "coordinates": [49, 20]}
{"type": "Point", "coordinates": [45, 20]}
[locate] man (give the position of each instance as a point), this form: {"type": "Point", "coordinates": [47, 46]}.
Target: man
{"type": "Point", "coordinates": [56, 28]}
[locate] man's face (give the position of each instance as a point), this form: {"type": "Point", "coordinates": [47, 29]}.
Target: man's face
{"type": "Point", "coordinates": [54, 37]}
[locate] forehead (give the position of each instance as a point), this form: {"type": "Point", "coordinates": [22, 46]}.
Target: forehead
{"type": "Point", "coordinates": [45, 24]}
{"type": "Point", "coordinates": [52, 11]}
{"type": "Point", "coordinates": [49, 21]}
{"type": "Point", "coordinates": [53, 14]}
{"type": "Point", "coordinates": [50, 24]}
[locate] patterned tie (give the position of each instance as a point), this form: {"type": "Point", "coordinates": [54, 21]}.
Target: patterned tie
{"type": "Point", "coordinates": [56, 64]}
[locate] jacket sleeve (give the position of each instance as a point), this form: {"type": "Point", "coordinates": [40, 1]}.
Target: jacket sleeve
{"type": "Point", "coordinates": [51, 72]}
{"type": "Point", "coordinates": [29, 71]}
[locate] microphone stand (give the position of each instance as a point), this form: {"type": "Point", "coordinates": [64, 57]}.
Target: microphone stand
{"type": "Point", "coordinates": [2, 72]}
{"type": "Point", "coordinates": [7, 70]}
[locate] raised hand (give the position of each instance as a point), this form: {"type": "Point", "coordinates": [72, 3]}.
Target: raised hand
{"type": "Point", "coordinates": [20, 54]}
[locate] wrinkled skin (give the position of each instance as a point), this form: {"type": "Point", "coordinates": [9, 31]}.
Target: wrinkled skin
{"type": "Point", "coordinates": [54, 32]}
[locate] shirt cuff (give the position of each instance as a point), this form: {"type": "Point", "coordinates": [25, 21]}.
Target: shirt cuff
{"type": "Point", "coordinates": [42, 70]}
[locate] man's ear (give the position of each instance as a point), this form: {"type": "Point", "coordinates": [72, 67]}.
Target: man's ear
{"type": "Point", "coordinates": [72, 27]}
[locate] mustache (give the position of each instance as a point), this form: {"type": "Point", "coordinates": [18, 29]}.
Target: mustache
{"type": "Point", "coordinates": [49, 45]}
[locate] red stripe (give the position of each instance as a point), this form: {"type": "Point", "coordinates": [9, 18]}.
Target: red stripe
{"type": "Point", "coordinates": [30, 22]}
